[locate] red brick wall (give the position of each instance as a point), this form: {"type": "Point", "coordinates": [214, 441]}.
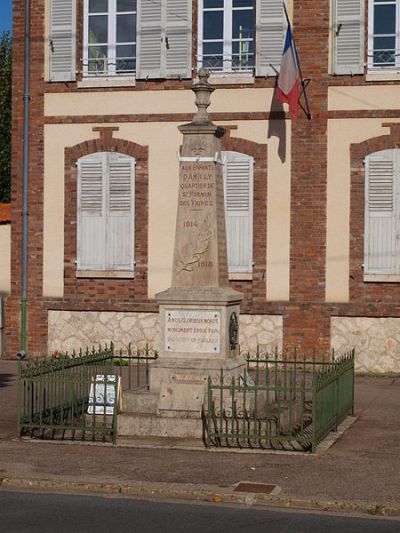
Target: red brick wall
{"type": "Point", "coordinates": [304, 321]}
{"type": "Point", "coordinates": [306, 316]}
{"type": "Point", "coordinates": [307, 245]}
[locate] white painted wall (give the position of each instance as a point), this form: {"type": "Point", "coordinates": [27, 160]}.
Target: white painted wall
{"type": "Point", "coordinates": [373, 97]}
{"type": "Point", "coordinates": [147, 102]}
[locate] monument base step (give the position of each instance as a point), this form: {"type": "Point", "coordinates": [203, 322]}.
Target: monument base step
{"type": "Point", "coordinates": [151, 425]}
{"type": "Point", "coordinates": [140, 402]}
{"type": "Point", "coordinates": [170, 443]}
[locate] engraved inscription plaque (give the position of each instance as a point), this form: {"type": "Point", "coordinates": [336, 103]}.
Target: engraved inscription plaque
{"type": "Point", "coordinates": [192, 331]}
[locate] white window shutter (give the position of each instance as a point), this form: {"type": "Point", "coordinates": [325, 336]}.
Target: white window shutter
{"type": "Point", "coordinates": [120, 207]}
{"type": "Point", "coordinates": [271, 28]}
{"type": "Point", "coordinates": [178, 35]}
{"type": "Point", "coordinates": [238, 193]}
{"type": "Point", "coordinates": [380, 214]}
{"type": "Point", "coordinates": [91, 212]}
{"type": "Point", "coordinates": [150, 48]}
{"type": "Point", "coordinates": [348, 36]}
{"type": "Point", "coordinates": [62, 40]}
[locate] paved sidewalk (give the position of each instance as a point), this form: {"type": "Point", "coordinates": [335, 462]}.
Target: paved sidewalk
{"type": "Point", "coordinates": [361, 471]}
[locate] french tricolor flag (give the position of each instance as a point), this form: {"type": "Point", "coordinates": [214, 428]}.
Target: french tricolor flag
{"type": "Point", "coordinates": [289, 75]}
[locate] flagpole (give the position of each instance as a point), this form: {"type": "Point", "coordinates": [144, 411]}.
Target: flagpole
{"type": "Point", "coordinates": [303, 85]}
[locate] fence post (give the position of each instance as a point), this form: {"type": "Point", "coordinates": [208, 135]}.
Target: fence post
{"type": "Point", "coordinates": [314, 413]}
{"type": "Point", "coordinates": [209, 414]}
{"type": "Point", "coordinates": [337, 382]}
{"type": "Point", "coordinates": [19, 396]}
{"type": "Point", "coordinates": [115, 413]}
{"type": "Point", "coordinates": [352, 381]}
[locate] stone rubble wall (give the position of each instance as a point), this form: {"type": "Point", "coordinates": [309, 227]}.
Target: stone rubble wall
{"type": "Point", "coordinates": [69, 330]}
{"type": "Point", "coordinates": [265, 331]}
{"type": "Point", "coordinates": [376, 342]}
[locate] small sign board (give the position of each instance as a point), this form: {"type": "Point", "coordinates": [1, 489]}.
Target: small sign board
{"type": "Point", "coordinates": [104, 394]}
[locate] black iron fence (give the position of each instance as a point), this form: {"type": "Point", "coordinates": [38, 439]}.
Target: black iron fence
{"type": "Point", "coordinates": [288, 404]}
{"type": "Point", "coordinates": [77, 395]}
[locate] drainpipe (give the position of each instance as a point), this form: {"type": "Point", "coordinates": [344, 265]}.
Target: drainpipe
{"type": "Point", "coordinates": [24, 301]}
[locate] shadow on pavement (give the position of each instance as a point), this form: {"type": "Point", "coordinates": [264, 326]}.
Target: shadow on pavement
{"type": "Point", "coordinates": [8, 398]}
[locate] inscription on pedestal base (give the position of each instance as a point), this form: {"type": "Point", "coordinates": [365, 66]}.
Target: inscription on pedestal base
{"type": "Point", "coordinates": [192, 331]}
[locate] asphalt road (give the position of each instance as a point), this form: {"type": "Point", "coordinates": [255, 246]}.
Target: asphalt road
{"type": "Point", "coordinates": [48, 513]}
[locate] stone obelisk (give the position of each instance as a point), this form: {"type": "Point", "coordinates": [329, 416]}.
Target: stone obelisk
{"type": "Point", "coordinates": [200, 258]}
{"type": "Point", "coordinates": [199, 313]}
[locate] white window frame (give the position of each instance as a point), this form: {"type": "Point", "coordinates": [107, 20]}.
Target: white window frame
{"type": "Point", "coordinates": [227, 39]}
{"type": "Point", "coordinates": [370, 55]}
{"type": "Point", "coordinates": [111, 44]}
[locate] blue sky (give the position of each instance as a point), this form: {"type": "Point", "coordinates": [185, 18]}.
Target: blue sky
{"type": "Point", "coordinates": [5, 15]}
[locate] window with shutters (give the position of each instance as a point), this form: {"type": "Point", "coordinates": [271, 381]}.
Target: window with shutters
{"type": "Point", "coordinates": [384, 35]}
{"type": "Point", "coordinates": [229, 30]}
{"type": "Point", "coordinates": [106, 212]}
{"type": "Point", "coordinates": [109, 37]}
{"type": "Point", "coordinates": [238, 193]}
{"type": "Point", "coordinates": [382, 214]}
{"type": "Point", "coordinates": [145, 38]}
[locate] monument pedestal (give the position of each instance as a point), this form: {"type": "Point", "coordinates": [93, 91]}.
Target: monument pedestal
{"type": "Point", "coordinates": [199, 328]}
{"type": "Point", "coordinates": [199, 337]}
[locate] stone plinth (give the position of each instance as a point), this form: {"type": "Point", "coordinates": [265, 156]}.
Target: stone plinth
{"type": "Point", "coordinates": [198, 335]}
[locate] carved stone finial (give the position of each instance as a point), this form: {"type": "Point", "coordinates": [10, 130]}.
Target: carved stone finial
{"type": "Point", "coordinates": [202, 90]}
{"type": "Point", "coordinates": [203, 75]}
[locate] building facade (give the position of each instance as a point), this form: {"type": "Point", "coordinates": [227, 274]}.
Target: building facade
{"type": "Point", "coordinates": [312, 206]}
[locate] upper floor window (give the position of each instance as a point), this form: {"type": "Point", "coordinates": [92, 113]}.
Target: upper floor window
{"type": "Point", "coordinates": [152, 39]}
{"type": "Point", "coordinates": [383, 34]}
{"type": "Point", "coordinates": [226, 35]}
{"type": "Point", "coordinates": [106, 187]}
{"type": "Point", "coordinates": [109, 37]}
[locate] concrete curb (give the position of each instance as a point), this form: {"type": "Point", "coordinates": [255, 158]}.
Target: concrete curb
{"type": "Point", "coordinates": [162, 443]}
{"type": "Point", "coordinates": [201, 493]}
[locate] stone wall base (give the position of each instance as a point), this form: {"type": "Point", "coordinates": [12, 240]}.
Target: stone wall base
{"type": "Point", "coordinates": [376, 342]}
{"type": "Point", "coordinates": [69, 330]}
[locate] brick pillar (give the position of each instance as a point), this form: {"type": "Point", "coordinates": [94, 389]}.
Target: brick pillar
{"type": "Point", "coordinates": [305, 323]}
{"type": "Point", "coordinates": [37, 318]}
